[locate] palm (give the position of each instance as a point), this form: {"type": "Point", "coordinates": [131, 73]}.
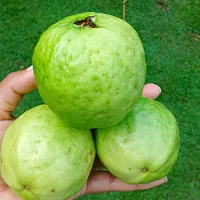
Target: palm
{"type": "Point", "coordinates": [12, 89]}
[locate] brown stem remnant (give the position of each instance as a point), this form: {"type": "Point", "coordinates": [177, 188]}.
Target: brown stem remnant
{"type": "Point", "coordinates": [87, 22]}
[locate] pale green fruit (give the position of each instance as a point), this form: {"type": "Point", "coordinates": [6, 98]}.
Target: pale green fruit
{"type": "Point", "coordinates": [43, 159]}
{"type": "Point", "coordinates": [90, 72]}
{"type": "Point", "coordinates": [143, 147]}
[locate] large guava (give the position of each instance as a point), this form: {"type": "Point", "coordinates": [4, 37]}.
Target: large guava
{"type": "Point", "coordinates": [90, 69]}
{"type": "Point", "coordinates": [143, 147]}
{"type": "Point", "coordinates": [43, 159]}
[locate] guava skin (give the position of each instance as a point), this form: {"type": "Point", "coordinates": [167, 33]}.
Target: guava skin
{"type": "Point", "coordinates": [90, 77]}
{"type": "Point", "coordinates": [143, 147]}
{"type": "Point", "coordinates": [43, 159]}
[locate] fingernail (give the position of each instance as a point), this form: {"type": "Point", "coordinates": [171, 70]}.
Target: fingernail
{"type": "Point", "coordinates": [30, 68]}
{"type": "Point", "coordinates": [166, 179]}
{"type": "Point", "coordinates": [159, 88]}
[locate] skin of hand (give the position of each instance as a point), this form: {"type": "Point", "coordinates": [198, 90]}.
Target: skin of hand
{"type": "Point", "coordinates": [12, 90]}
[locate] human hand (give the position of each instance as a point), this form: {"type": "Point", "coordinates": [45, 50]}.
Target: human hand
{"type": "Point", "coordinates": [12, 90]}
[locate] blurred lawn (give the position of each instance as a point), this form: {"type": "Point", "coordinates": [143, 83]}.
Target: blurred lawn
{"type": "Point", "coordinates": [170, 31]}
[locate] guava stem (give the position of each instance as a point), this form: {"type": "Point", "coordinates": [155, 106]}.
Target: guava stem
{"type": "Point", "coordinates": [124, 9]}
{"type": "Point", "coordinates": [87, 22]}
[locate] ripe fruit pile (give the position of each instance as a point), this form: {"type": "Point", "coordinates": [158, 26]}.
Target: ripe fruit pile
{"type": "Point", "coordinates": [90, 71]}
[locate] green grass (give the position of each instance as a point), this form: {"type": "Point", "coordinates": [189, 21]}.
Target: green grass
{"type": "Point", "coordinates": [170, 31]}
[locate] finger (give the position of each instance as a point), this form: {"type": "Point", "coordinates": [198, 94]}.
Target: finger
{"type": "Point", "coordinates": [12, 90]}
{"type": "Point", "coordinates": [105, 182]}
{"type": "Point", "coordinates": [6, 193]}
{"type": "Point", "coordinates": [151, 91]}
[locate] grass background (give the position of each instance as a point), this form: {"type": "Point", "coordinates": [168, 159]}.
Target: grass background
{"type": "Point", "coordinates": [170, 31]}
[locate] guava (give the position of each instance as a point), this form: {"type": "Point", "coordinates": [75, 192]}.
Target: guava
{"type": "Point", "coordinates": [90, 69]}
{"type": "Point", "coordinates": [43, 159]}
{"type": "Point", "coordinates": [143, 147]}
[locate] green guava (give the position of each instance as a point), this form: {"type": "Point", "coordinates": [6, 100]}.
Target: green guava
{"type": "Point", "coordinates": [43, 159]}
{"type": "Point", "coordinates": [90, 69]}
{"type": "Point", "coordinates": [143, 147]}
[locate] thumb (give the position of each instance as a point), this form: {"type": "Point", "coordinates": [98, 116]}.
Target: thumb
{"type": "Point", "coordinates": [151, 91]}
{"type": "Point", "coordinates": [12, 90]}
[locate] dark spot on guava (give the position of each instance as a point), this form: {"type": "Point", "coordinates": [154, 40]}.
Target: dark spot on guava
{"type": "Point", "coordinates": [129, 168]}
{"type": "Point", "coordinates": [27, 187]}
{"type": "Point", "coordinates": [53, 190]}
{"type": "Point", "coordinates": [87, 22]}
{"type": "Point", "coordinates": [144, 169]}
